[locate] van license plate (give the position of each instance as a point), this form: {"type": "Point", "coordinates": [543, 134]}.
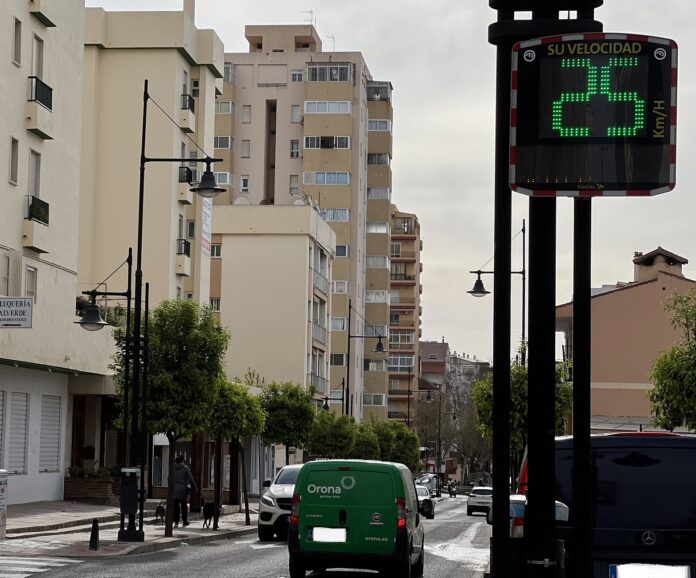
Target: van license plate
{"type": "Point", "coordinates": [648, 571]}
{"type": "Point", "coordinates": [329, 534]}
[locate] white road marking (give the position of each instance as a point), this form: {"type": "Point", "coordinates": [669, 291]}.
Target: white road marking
{"type": "Point", "coordinates": [20, 567]}
{"type": "Point", "coordinates": [462, 549]}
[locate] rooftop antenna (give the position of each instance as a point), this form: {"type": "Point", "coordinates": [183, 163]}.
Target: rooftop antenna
{"type": "Point", "coordinates": [333, 42]}
{"type": "Point", "coordinates": [310, 18]}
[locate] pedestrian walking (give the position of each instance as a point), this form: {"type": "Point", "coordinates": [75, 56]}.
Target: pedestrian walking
{"type": "Point", "coordinates": [184, 484]}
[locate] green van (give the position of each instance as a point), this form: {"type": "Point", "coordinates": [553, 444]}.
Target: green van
{"type": "Point", "coordinates": [355, 514]}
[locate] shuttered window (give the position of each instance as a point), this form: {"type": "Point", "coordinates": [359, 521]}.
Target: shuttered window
{"type": "Point", "coordinates": [34, 173]}
{"type": "Point", "coordinates": [19, 410]}
{"type": "Point", "coordinates": [49, 445]}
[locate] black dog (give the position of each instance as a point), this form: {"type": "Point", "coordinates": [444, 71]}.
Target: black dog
{"type": "Point", "coordinates": [160, 513]}
{"type": "Point", "coordinates": [208, 512]}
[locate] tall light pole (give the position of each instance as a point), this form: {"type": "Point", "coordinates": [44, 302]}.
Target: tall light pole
{"type": "Point", "coordinates": [408, 402]}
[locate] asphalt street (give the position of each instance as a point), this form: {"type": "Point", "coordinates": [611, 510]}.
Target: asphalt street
{"type": "Point", "coordinates": [457, 546]}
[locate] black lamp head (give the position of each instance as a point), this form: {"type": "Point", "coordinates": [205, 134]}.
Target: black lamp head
{"type": "Point", "coordinates": [479, 290]}
{"type": "Point", "coordinates": [92, 320]}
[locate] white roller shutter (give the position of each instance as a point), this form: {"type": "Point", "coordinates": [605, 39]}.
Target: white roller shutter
{"type": "Point", "coordinates": [19, 410]}
{"type": "Point", "coordinates": [34, 173]}
{"type": "Point", "coordinates": [2, 427]}
{"type": "Point", "coordinates": [49, 445]}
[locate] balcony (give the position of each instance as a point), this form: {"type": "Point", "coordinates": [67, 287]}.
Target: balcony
{"type": "Point", "coordinates": [406, 302]}
{"type": "Point", "coordinates": [402, 346]}
{"type": "Point", "coordinates": [183, 257]}
{"type": "Point", "coordinates": [184, 194]}
{"type": "Point", "coordinates": [187, 117]}
{"type": "Point", "coordinates": [38, 111]}
{"type": "Point", "coordinates": [406, 278]}
{"type": "Point", "coordinates": [318, 382]}
{"type": "Point", "coordinates": [403, 255]}
{"type": "Point", "coordinates": [319, 333]}
{"type": "Point", "coordinates": [403, 228]}
{"type": "Point", "coordinates": [321, 283]}
{"type": "Point", "coordinates": [38, 9]}
{"type": "Point", "coordinates": [35, 231]}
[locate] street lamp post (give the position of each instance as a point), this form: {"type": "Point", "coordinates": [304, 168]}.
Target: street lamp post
{"type": "Point", "coordinates": [408, 400]}
{"type": "Point", "coordinates": [327, 398]}
{"type": "Point", "coordinates": [480, 291]}
{"type": "Point", "coordinates": [429, 399]}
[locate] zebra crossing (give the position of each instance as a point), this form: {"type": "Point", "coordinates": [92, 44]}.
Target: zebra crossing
{"type": "Point", "coordinates": [20, 567]}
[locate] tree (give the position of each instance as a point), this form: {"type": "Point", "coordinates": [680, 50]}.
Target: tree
{"type": "Point", "coordinates": [386, 437]}
{"type": "Point", "coordinates": [406, 446]}
{"type": "Point", "coordinates": [290, 411]}
{"type": "Point", "coordinates": [186, 348]}
{"type": "Point", "coordinates": [332, 436]}
{"type": "Point", "coordinates": [235, 414]}
{"type": "Point", "coordinates": [673, 396]}
{"type": "Point", "coordinates": [366, 446]}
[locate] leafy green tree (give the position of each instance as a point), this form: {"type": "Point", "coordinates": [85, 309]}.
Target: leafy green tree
{"type": "Point", "coordinates": [366, 445]}
{"type": "Point", "coordinates": [385, 436]}
{"type": "Point", "coordinates": [235, 414]}
{"type": "Point", "coordinates": [290, 411]}
{"type": "Point", "coordinates": [406, 446]}
{"type": "Point", "coordinates": [332, 436]}
{"type": "Point", "coordinates": [673, 396]}
{"type": "Point", "coordinates": [185, 359]}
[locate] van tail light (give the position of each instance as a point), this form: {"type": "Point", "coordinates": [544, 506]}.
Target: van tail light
{"type": "Point", "coordinates": [517, 530]}
{"type": "Point", "coordinates": [400, 512]}
{"type": "Point", "coordinates": [295, 509]}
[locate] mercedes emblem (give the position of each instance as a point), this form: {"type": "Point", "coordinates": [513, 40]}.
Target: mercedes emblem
{"type": "Point", "coordinates": [648, 537]}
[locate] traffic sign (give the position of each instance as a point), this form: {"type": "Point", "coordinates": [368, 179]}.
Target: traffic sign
{"type": "Point", "coordinates": [593, 115]}
{"type": "Point", "coordinates": [16, 312]}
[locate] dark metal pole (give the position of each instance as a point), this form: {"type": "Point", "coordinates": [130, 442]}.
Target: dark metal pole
{"type": "Point", "coordinates": [127, 381]}
{"type": "Point", "coordinates": [581, 508]}
{"type": "Point", "coordinates": [439, 441]}
{"type": "Point", "coordinates": [143, 429]}
{"type": "Point", "coordinates": [408, 402]}
{"type": "Point", "coordinates": [348, 363]}
{"type": "Point", "coordinates": [524, 292]}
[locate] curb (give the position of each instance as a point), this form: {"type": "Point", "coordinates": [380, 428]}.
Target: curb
{"type": "Point", "coordinates": [189, 540]}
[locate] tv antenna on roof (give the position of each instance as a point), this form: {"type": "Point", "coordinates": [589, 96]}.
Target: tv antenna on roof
{"type": "Point", "coordinates": [310, 18]}
{"type": "Point", "coordinates": [333, 41]}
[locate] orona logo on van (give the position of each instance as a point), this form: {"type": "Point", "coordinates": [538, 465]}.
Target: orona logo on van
{"type": "Point", "coordinates": [346, 483]}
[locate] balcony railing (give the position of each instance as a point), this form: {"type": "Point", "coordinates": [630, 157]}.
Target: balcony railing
{"type": "Point", "coordinates": [183, 247]}
{"type": "Point", "coordinates": [40, 92]}
{"type": "Point", "coordinates": [403, 255]}
{"type": "Point", "coordinates": [37, 210]}
{"type": "Point", "coordinates": [321, 282]}
{"type": "Point", "coordinates": [402, 277]}
{"type": "Point", "coordinates": [319, 333]}
{"type": "Point", "coordinates": [187, 102]}
{"type": "Point", "coordinates": [402, 300]}
{"type": "Point", "coordinates": [405, 346]}
{"type": "Point", "coordinates": [185, 175]}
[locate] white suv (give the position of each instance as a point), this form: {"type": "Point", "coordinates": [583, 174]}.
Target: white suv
{"type": "Point", "coordinates": [274, 505]}
{"type": "Point", "coordinates": [480, 499]}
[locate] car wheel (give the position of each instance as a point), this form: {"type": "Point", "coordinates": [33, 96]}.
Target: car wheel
{"type": "Point", "coordinates": [297, 570]}
{"type": "Point", "coordinates": [265, 533]}
{"type": "Point", "coordinates": [283, 535]}
{"type": "Point", "coordinates": [417, 571]}
{"type": "Point", "coordinates": [469, 511]}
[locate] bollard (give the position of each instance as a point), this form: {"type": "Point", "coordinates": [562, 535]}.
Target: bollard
{"type": "Point", "coordinates": [94, 537]}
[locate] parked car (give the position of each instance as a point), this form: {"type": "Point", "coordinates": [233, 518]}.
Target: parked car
{"type": "Point", "coordinates": [426, 506]}
{"type": "Point", "coordinates": [275, 503]}
{"type": "Point", "coordinates": [356, 514]}
{"type": "Point", "coordinates": [429, 481]}
{"type": "Point", "coordinates": [644, 496]}
{"type": "Point", "coordinates": [480, 500]}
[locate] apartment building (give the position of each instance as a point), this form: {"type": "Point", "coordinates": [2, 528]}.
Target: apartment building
{"type": "Point", "coordinates": [405, 364]}
{"type": "Point", "coordinates": [184, 66]}
{"type": "Point", "coordinates": [40, 75]}
{"type": "Point", "coordinates": [293, 125]}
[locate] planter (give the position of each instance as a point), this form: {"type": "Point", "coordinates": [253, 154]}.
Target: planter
{"type": "Point", "coordinates": [89, 489]}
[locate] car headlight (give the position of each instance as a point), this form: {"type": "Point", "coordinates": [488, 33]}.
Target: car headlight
{"type": "Point", "coordinates": [266, 499]}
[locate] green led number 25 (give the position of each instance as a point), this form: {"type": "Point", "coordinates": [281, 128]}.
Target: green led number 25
{"type": "Point", "coordinates": [598, 84]}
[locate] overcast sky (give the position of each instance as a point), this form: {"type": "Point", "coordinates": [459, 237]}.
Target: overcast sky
{"type": "Point", "coordinates": [443, 70]}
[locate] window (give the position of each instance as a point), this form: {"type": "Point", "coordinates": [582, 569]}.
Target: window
{"type": "Point", "coordinates": [296, 75]}
{"type": "Point", "coordinates": [14, 160]}
{"type": "Point", "coordinates": [246, 149]}
{"type": "Point", "coordinates": [294, 149]}
{"type": "Point", "coordinates": [327, 142]}
{"type": "Point", "coordinates": [379, 124]}
{"type": "Point", "coordinates": [19, 409]}
{"type": "Point", "coordinates": [34, 173]}
{"type": "Point", "coordinates": [377, 227]}
{"type": "Point", "coordinates": [229, 72]}
{"type": "Point", "coordinates": [294, 184]}
{"type": "Point", "coordinates": [378, 262]}
{"type": "Point", "coordinates": [378, 159]}
{"type": "Point", "coordinates": [295, 113]}
{"type": "Point", "coordinates": [339, 286]}
{"type": "Point", "coordinates": [376, 330]}
{"type": "Point", "coordinates": [37, 57]}
{"type": "Point", "coordinates": [342, 251]}
{"type": "Point", "coordinates": [327, 107]}
{"type": "Point", "coordinates": [190, 228]}
{"type": "Point", "coordinates": [378, 193]}
{"type": "Point", "coordinates": [195, 84]}
{"type": "Point", "coordinates": [312, 142]}
{"type": "Point", "coordinates": [189, 295]}
{"type": "Point", "coordinates": [215, 303]}
{"type": "Point", "coordinates": [339, 215]}
{"type": "Point", "coordinates": [244, 184]}
{"type": "Point", "coordinates": [375, 365]}
{"type": "Point", "coordinates": [17, 50]}
{"type": "Point", "coordinates": [222, 178]}
{"type": "Point", "coordinates": [2, 426]}
{"type": "Point", "coordinates": [324, 178]}
{"type": "Point", "coordinates": [329, 73]}
{"type": "Point", "coordinates": [4, 290]}
{"type": "Point", "coordinates": [396, 249]}
{"type": "Point", "coordinates": [400, 363]}
{"type": "Point", "coordinates": [223, 107]}
{"type": "Point", "coordinates": [215, 250]}
{"type": "Point", "coordinates": [246, 113]}
{"type": "Point", "coordinates": [338, 359]}
{"type": "Point", "coordinates": [342, 142]}
{"type": "Point", "coordinates": [49, 442]}
{"type": "Point", "coordinates": [223, 142]}
{"type": "Point", "coordinates": [30, 282]}
{"type": "Point", "coordinates": [338, 324]}
{"type": "Point", "coordinates": [373, 399]}
{"type": "Point", "coordinates": [376, 296]}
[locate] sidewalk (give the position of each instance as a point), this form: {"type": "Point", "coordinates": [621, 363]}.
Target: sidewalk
{"type": "Point", "coordinates": [64, 529]}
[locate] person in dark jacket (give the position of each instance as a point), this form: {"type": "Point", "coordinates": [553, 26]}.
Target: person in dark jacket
{"type": "Point", "coordinates": [184, 484]}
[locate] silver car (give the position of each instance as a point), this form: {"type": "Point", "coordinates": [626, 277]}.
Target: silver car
{"type": "Point", "coordinates": [275, 504]}
{"type": "Point", "coordinates": [480, 500]}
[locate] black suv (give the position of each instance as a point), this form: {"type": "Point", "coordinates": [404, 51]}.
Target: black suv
{"type": "Point", "coordinates": [644, 506]}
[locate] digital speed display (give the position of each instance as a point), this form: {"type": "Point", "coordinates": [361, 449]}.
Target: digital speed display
{"type": "Point", "coordinates": [593, 114]}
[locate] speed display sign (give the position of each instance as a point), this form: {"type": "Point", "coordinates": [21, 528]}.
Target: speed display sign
{"type": "Point", "coordinates": [593, 114]}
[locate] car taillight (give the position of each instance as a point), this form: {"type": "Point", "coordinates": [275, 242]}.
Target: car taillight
{"type": "Point", "coordinates": [517, 530]}
{"type": "Point", "coordinates": [295, 509]}
{"type": "Point", "coordinates": [400, 513]}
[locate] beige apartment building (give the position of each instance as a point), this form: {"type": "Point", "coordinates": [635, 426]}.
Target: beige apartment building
{"type": "Point", "coordinates": [49, 359]}
{"type": "Point", "coordinates": [295, 127]}
{"type": "Point", "coordinates": [630, 328]}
